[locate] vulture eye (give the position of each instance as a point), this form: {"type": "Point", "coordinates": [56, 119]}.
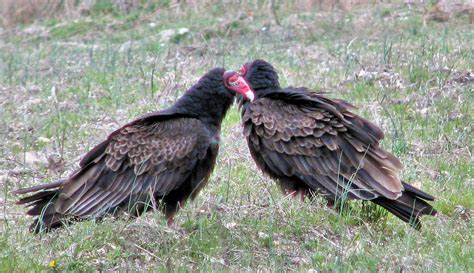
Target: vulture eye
{"type": "Point", "coordinates": [233, 80]}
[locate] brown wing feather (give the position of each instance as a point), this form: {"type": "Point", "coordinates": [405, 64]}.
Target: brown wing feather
{"type": "Point", "coordinates": [140, 158]}
{"type": "Point", "coordinates": [322, 140]}
{"type": "Point", "coordinates": [137, 163]}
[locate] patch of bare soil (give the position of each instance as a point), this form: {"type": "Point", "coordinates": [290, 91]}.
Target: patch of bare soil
{"type": "Point", "coordinates": [445, 10]}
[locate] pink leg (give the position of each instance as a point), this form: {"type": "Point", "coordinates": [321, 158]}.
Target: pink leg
{"type": "Point", "coordinates": [291, 194]}
{"type": "Point", "coordinates": [302, 195]}
{"type": "Point", "coordinates": [298, 193]}
{"type": "Point", "coordinates": [171, 213]}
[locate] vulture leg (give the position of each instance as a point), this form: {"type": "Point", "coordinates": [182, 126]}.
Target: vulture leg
{"type": "Point", "coordinates": [293, 188]}
{"type": "Point", "coordinates": [296, 194]}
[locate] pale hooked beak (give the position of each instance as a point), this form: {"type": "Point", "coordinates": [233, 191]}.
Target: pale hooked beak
{"type": "Point", "coordinates": [250, 95]}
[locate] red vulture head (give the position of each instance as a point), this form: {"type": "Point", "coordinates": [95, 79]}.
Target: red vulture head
{"type": "Point", "coordinates": [237, 83]}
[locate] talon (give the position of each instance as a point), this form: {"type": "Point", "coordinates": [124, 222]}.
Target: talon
{"type": "Point", "coordinates": [297, 193]}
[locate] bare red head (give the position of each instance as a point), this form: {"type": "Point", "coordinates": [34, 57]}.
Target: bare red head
{"type": "Point", "coordinates": [237, 83]}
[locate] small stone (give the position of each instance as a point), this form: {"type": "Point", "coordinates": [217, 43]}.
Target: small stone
{"type": "Point", "coordinates": [469, 182]}
{"type": "Point", "coordinates": [34, 29]}
{"type": "Point", "coordinates": [183, 31]}
{"type": "Point", "coordinates": [126, 46]}
{"type": "Point", "coordinates": [166, 35]}
{"type": "Point", "coordinates": [230, 225]}
{"type": "Point", "coordinates": [33, 158]}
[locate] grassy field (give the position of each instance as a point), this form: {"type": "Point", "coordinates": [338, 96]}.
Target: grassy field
{"type": "Point", "coordinates": [65, 84]}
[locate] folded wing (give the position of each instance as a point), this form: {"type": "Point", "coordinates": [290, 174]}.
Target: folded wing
{"type": "Point", "coordinates": [138, 166]}
{"type": "Point", "coordinates": [324, 144]}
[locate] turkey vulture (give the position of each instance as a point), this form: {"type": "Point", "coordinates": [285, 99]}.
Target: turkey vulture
{"type": "Point", "coordinates": [162, 158]}
{"type": "Point", "coordinates": [312, 144]}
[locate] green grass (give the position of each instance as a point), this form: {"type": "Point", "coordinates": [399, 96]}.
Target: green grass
{"type": "Point", "coordinates": [63, 92]}
{"type": "Point", "coordinates": [72, 29]}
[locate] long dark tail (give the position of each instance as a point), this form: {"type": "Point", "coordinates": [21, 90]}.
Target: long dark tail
{"type": "Point", "coordinates": [42, 205]}
{"type": "Point", "coordinates": [410, 206]}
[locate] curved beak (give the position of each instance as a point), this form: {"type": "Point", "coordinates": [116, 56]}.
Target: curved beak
{"type": "Point", "coordinates": [241, 86]}
{"type": "Point", "coordinates": [250, 95]}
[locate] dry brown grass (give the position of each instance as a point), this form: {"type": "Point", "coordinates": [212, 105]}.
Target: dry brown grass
{"type": "Point", "coordinates": [332, 4]}
{"type": "Point", "coordinates": [26, 11]}
{"type": "Point", "coordinates": [444, 10]}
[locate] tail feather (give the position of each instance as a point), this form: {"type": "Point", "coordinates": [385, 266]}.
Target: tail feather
{"type": "Point", "coordinates": [417, 192]}
{"type": "Point", "coordinates": [410, 206]}
{"type": "Point", "coordinates": [33, 199]}
{"type": "Point", "coordinates": [55, 184]}
{"type": "Point", "coordinates": [38, 206]}
{"type": "Point", "coordinates": [42, 205]}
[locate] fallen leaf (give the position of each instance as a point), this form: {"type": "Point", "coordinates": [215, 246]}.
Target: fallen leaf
{"type": "Point", "coordinates": [56, 164]}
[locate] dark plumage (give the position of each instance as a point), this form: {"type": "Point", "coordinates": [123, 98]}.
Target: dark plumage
{"type": "Point", "coordinates": [162, 158]}
{"type": "Point", "coordinates": [310, 143]}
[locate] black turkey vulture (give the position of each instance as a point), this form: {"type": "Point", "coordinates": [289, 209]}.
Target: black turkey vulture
{"type": "Point", "coordinates": [160, 159]}
{"type": "Point", "coordinates": [312, 144]}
